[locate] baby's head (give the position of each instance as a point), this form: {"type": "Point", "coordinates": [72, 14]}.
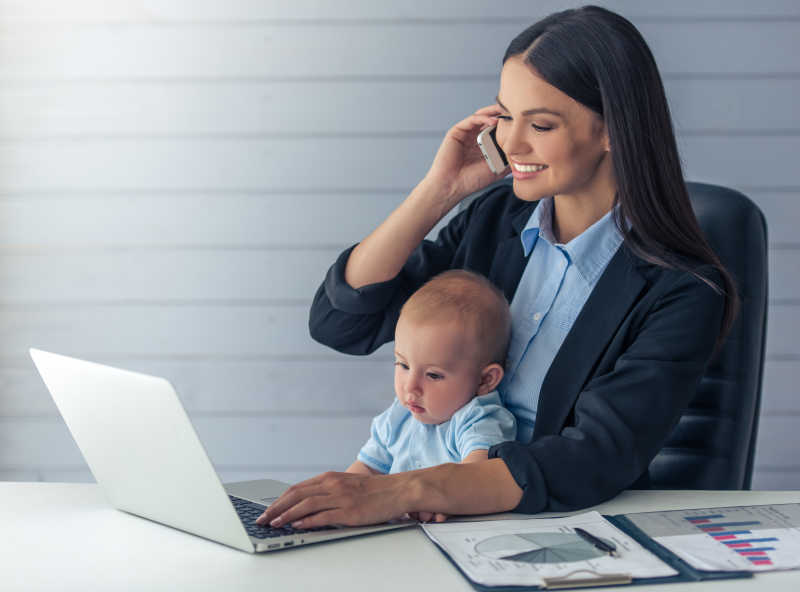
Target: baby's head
{"type": "Point", "coordinates": [450, 344]}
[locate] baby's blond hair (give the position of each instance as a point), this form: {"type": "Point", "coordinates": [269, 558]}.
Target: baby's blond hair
{"type": "Point", "coordinates": [470, 299]}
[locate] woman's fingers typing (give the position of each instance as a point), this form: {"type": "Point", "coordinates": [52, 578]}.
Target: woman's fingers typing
{"type": "Point", "coordinates": [341, 498]}
{"type": "Point", "coordinates": [335, 498]}
{"type": "Point", "coordinates": [290, 498]}
{"type": "Point", "coordinates": [304, 510]}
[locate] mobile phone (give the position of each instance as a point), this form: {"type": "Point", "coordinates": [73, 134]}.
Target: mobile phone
{"type": "Point", "coordinates": [494, 155]}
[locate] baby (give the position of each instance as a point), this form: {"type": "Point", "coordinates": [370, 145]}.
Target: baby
{"type": "Point", "coordinates": [450, 345]}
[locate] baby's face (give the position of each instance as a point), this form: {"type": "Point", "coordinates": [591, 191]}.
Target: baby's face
{"type": "Point", "coordinates": [436, 371]}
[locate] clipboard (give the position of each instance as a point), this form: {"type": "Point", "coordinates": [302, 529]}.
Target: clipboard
{"type": "Point", "coordinates": [584, 578]}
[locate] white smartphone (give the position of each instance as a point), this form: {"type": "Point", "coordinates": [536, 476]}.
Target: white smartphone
{"type": "Point", "coordinates": [494, 155]}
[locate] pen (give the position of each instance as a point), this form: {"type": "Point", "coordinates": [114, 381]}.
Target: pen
{"type": "Point", "coordinates": [600, 544]}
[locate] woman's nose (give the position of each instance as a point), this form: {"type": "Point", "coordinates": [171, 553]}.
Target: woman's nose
{"type": "Point", "coordinates": [513, 140]}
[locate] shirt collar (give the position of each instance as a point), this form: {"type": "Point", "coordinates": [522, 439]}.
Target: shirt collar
{"type": "Point", "coordinates": [590, 251]}
{"type": "Point", "coordinates": [540, 222]}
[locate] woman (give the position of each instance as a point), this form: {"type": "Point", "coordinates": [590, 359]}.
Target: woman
{"type": "Point", "coordinates": [617, 300]}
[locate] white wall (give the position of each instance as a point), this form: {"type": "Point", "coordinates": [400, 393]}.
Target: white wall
{"type": "Point", "coordinates": [175, 177]}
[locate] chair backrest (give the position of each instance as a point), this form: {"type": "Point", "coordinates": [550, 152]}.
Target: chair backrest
{"type": "Point", "coordinates": [713, 445]}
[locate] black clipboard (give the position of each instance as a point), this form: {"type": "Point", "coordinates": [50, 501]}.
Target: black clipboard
{"type": "Point", "coordinates": [585, 578]}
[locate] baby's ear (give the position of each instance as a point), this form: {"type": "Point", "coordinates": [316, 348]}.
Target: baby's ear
{"type": "Point", "coordinates": [491, 376]}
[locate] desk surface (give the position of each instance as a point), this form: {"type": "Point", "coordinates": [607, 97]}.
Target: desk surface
{"type": "Point", "coordinates": [66, 537]}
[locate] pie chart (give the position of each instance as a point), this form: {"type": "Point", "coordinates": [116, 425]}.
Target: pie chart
{"type": "Point", "coordinates": [538, 547]}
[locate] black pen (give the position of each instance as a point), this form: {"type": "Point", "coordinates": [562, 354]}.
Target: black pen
{"type": "Point", "coordinates": [600, 544]}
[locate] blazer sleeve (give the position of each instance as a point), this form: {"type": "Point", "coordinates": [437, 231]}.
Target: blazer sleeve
{"type": "Point", "coordinates": [623, 417]}
{"type": "Point", "coordinates": [358, 321]}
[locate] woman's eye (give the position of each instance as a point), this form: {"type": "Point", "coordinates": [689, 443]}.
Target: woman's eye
{"type": "Point", "coordinates": [538, 128]}
{"type": "Point", "coordinates": [434, 376]}
{"type": "Point", "coordinates": [403, 365]}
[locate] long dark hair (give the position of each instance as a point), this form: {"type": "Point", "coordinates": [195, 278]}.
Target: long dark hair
{"type": "Point", "coordinates": [601, 60]}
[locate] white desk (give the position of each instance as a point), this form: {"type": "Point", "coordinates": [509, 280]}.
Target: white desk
{"type": "Point", "coordinates": [65, 537]}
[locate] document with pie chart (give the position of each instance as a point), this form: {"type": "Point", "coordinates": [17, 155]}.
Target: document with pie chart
{"type": "Point", "coordinates": [522, 552]}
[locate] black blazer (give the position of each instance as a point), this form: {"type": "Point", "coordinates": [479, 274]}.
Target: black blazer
{"type": "Point", "coordinates": [617, 385]}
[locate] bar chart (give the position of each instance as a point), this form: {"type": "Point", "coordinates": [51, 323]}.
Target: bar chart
{"type": "Point", "coordinates": [750, 538]}
{"type": "Point", "coordinates": [737, 536]}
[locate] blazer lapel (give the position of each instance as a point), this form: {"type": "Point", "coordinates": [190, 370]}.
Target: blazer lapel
{"type": "Point", "coordinates": [509, 258]}
{"type": "Point", "coordinates": [509, 263]}
{"type": "Point", "coordinates": [615, 293]}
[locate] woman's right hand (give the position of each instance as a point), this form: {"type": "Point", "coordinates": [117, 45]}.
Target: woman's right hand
{"type": "Point", "coordinates": [459, 168]}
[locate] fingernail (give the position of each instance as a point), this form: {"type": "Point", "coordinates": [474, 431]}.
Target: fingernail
{"type": "Point", "coordinates": [297, 524]}
{"type": "Point", "coordinates": [275, 522]}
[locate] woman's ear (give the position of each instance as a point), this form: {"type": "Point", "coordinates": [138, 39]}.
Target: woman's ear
{"type": "Point", "coordinates": [605, 139]}
{"type": "Point", "coordinates": [491, 376]}
{"type": "Point", "coordinates": [600, 129]}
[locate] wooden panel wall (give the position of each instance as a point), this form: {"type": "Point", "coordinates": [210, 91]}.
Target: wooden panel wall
{"type": "Point", "coordinates": [176, 176]}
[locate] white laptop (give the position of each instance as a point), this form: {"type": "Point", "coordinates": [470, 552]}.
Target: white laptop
{"type": "Point", "coordinates": [143, 451]}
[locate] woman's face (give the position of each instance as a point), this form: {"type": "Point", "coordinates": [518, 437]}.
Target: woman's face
{"type": "Point", "coordinates": [555, 145]}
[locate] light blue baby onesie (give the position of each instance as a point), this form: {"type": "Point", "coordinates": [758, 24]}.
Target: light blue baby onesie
{"type": "Point", "coordinates": [398, 442]}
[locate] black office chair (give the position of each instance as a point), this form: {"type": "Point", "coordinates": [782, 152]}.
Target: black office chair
{"type": "Point", "coordinates": [713, 445]}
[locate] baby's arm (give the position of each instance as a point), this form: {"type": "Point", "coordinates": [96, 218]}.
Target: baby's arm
{"type": "Point", "coordinates": [374, 458]}
{"type": "Point", "coordinates": [479, 424]}
{"type": "Point", "coordinates": [362, 469]}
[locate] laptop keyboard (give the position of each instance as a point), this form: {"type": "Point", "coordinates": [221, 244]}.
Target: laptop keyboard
{"type": "Point", "coordinates": [248, 512]}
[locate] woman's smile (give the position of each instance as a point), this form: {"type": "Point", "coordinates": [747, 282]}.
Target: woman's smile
{"type": "Point", "coordinates": [526, 171]}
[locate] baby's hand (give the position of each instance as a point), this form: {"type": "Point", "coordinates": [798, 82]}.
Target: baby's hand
{"type": "Point", "coordinates": [428, 516]}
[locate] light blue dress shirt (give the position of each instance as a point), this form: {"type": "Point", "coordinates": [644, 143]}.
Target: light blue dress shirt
{"type": "Point", "coordinates": [398, 442]}
{"type": "Point", "coordinates": [554, 286]}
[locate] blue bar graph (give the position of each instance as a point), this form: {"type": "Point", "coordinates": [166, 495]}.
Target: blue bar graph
{"type": "Point", "coordinates": [727, 524]}
{"type": "Point", "coordinates": [739, 541]}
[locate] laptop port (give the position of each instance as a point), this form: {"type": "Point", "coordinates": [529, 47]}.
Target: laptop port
{"type": "Point", "coordinates": [288, 543]}
{"type": "Point", "coordinates": [273, 546]}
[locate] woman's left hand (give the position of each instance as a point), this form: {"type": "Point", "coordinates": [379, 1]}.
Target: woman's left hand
{"type": "Point", "coordinates": [340, 498]}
